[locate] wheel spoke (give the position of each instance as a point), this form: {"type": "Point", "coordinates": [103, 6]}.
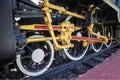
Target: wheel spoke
{"type": "Point", "coordinates": [37, 66]}
{"type": "Point", "coordinates": [30, 64]}
{"type": "Point", "coordinates": [26, 57]}
{"type": "Point", "coordinates": [46, 54]}
{"type": "Point", "coordinates": [29, 48]}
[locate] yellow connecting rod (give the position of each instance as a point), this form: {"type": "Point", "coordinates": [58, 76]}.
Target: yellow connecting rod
{"type": "Point", "coordinates": [90, 30]}
{"type": "Point", "coordinates": [62, 10]}
{"type": "Point", "coordinates": [31, 40]}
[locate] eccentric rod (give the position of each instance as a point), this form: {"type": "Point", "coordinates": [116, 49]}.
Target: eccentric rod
{"type": "Point", "coordinates": [64, 11]}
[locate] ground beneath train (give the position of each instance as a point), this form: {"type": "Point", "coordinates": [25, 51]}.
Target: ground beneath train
{"type": "Point", "coordinates": [109, 69]}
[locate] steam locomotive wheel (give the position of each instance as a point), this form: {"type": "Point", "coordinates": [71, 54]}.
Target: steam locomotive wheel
{"type": "Point", "coordinates": [78, 51]}
{"type": "Point", "coordinates": [37, 59]}
{"type": "Point", "coordinates": [99, 30]}
{"type": "Point", "coordinates": [109, 34]}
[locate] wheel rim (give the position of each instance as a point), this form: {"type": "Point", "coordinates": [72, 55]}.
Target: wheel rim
{"type": "Point", "coordinates": [109, 34]}
{"type": "Point", "coordinates": [99, 30]}
{"type": "Point", "coordinates": [30, 63]}
{"type": "Point", "coordinates": [78, 51]}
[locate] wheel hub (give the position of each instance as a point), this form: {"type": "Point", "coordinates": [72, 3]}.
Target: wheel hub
{"type": "Point", "coordinates": [38, 55]}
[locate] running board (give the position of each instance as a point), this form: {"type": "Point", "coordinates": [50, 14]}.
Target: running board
{"type": "Point", "coordinates": [114, 6]}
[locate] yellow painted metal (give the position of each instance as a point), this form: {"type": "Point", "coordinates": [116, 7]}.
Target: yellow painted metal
{"type": "Point", "coordinates": [65, 35]}
{"type": "Point", "coordinates": [66, 30]}
{"type": "Point", "coordinates": [62, 10]}
{"type": "Point", "coordinates": [77, 28]}
{"type": "Point", "coordinates": [64, 46]}
{"type": "Point", "coordinates": [84, 43]}
{"type": "Point", "coordinates": [48, 21]}
{"type": "Point", "coordinates": [31, 40]}
{"type": "Point", "coordinates": [27, 27]}
{"type": "Point", "coordinates": [16, 23]}
{"type": "Point", "coordinates": [90, 30]}
{"type": "Point", "coordinates": [32, 27]}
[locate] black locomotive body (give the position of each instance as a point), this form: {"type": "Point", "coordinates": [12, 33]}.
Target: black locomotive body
{"type": "Point", "coordinates": [7, 37]}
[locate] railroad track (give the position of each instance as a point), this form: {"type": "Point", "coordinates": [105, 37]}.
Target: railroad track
{"type": "Point", "coordinates": [72, 69]}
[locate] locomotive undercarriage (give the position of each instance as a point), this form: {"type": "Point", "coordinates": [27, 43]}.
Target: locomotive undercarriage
{"type": "Point", "coordinates": [44, 30]}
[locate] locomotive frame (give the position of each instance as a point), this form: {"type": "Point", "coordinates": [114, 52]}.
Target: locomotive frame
{"type": "Point", "coordinates": [37, 43]}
